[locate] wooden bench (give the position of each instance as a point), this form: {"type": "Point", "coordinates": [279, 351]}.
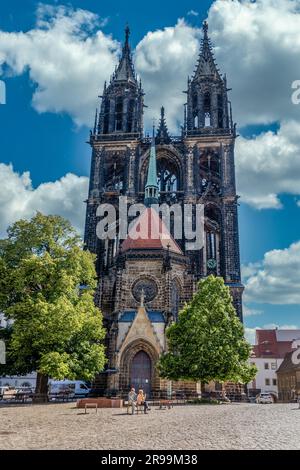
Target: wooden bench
{"type": "Point", "coordinates": [165, 404]}
{"type": "Point", "coordinates": [137, 408]}
{"type": "Point", "coordinates": [91, 405]}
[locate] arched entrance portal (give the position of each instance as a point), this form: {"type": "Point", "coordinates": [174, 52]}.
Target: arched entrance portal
{"type": "Point", "coordinates": [140, 372]}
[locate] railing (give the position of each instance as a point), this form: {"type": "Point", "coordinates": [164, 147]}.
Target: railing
{"type": "Point", "coordinates": [116, 136]}
{"type": "Point", "coordinates": [205, 131]}
{"type": "Point", "coordinates": [208, 131]}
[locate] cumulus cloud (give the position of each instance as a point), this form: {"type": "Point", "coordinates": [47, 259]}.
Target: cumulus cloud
{"type": "Point", "coordinates": [66, 59]}
{"type": "Point", "coordinates": [18, 199]}
{"type": "Point", "coordinates": [276, 279]}
{"type": "Point", "coordinates": [258, 44]}
{"type": "Point", "coordinates": [269, 165]}
{"type": "Point", "coordinates": [250, 312]}
{"type": "Point", "coordinates": [164, 58]}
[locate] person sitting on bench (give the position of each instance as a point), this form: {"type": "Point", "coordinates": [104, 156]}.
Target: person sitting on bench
{"type": "Point", "coordinates": [132, 397]}
{"type": "Point", "coordinates": [141, 401]}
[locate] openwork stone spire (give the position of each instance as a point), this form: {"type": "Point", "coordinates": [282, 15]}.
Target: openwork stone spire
{"type": "Point", "coordinates": [122, 104]}
{"type": "Point", "coordinates": [207, 109]}
{"type": "Point", "coordinates": [162, 135]}
{"type": "Point", "coordinates": [206, 62]}
{"type": "Point", "coordinates": [125, 69]}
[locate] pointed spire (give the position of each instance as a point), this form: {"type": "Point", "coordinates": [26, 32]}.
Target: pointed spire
{"type": "Point", "coordinates": [127, 34]}
{"type": "Point", "coordinates": [125, 70]}
{"type": "Point", "coordinates": [206, 62]}
{"type": "Point", "coordinates": [151, 188]}
{"type": "Point", "coordinates": [162, 136]}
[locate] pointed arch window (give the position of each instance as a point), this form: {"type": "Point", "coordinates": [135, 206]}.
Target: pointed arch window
{"type": "Point", "coordinates": [119, 113]}
{"type": "Point", "coordinates": [220, 111]}
{"type": "Point", "coordinates": [130, 113]}
{"type": "Point", "coordinates": [106, 116]}
{"type": "Point", "coordinates": [207, 109]}
{"type": "Point", "coordinates": [167, 181]}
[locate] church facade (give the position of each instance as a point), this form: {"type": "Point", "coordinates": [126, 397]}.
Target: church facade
{"type": "Point", "coordinates": [144, 283]}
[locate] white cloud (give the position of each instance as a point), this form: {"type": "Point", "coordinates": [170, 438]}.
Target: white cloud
{"type": "Point", "coordinates": [250, 335]}
{"type": "Point", "coordinates": [269, 165]}
{"type": "Point", "coordinates": [193, 13]}
{"type": "Point", "coordinates": [258, 44]}
{"type": "Point", "coordinates": [18, 199]}
{"type": "Point", "coordinates": [277, 279]}
{"type": "Point", "coordinates": [65, 58]}
{"type": "Point", "coordinates": [250, 312]}
{"type": "Point", "coordinates": [164, 58]}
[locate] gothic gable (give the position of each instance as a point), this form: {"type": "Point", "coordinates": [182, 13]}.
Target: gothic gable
{"type": "Point", "coordinates": [141, 329]}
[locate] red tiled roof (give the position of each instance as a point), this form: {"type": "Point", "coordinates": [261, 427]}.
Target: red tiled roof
{"type": "Point", "coordinates": [150, 232]}
{"type": "Point", "coordinates": [267, 345]}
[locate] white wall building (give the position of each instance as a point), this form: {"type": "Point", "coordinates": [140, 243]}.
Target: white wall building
{"type": "Point", "coordinates": [268, 354]}
{"type": "Point", "coordinates": [266, 377]}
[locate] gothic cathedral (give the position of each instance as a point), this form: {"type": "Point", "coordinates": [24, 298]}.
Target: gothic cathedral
{"type": "Point", "coordinates": [143, 283]}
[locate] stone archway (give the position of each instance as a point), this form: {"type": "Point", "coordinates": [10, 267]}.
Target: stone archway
{"type": "Point", "coordinates": [137, 367]}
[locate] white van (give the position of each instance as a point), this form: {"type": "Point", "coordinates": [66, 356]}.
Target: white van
{"type": "Point", "coordinates": [74, 388]}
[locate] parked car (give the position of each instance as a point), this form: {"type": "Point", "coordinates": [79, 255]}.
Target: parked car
{"type": "Point", "coordinates": [264, 398]}
{"type": "Point", "coordinates": [72, 388]}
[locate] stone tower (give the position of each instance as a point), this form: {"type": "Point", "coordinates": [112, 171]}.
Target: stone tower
{"type": "Point", "coordinates": [144, 282]}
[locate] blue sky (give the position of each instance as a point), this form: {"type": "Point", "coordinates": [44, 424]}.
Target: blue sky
{"type": "Point", "coordinates": [51, 144]}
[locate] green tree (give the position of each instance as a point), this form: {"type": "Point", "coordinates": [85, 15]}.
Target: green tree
{"type": "Point", "coordinates": [56, 328]}
{"type": "Point", "coordinates": [207, 342]}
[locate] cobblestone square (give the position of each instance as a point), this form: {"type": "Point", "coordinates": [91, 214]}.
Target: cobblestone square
{"type": "Point", "coordinates": [234, 426]}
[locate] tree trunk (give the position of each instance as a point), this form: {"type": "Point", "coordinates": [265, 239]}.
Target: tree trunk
{"type": "Point", "coordinates": [41, 390]}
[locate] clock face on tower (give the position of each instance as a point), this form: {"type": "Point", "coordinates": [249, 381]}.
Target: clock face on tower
{"type": "Point", "coordinates": [211, 264]}
{"type": "Point", "coordinates": [148, 286]}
